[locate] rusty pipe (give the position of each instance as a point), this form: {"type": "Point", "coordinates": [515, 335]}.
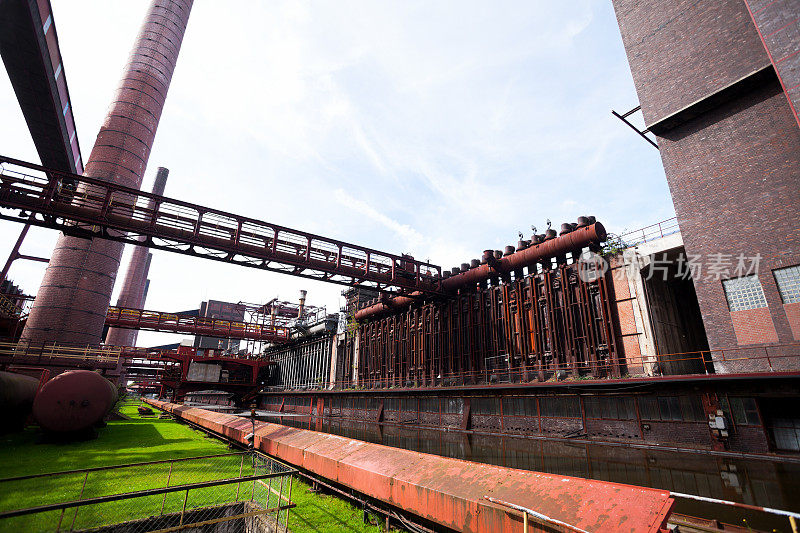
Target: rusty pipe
{"type": "Point", "coordinates": [494, 266]}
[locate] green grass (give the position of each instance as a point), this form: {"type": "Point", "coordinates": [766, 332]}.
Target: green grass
{"type": "Point", "coordinates": [132, 441]}
{"type": "Point", "coordinates": [323, 513]}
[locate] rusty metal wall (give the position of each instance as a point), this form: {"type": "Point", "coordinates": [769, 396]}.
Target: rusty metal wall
{"type": "Point", "coordinates": [76, 290]}
{"type": "Point", "coordinates": [557, 322]}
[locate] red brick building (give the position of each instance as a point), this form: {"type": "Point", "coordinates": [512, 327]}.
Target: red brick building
{"type": "Point", "coordinates": [715, 88]}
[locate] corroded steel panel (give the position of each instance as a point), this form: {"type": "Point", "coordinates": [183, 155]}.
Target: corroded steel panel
{"type": "Point", "coordinates": [451, 492]}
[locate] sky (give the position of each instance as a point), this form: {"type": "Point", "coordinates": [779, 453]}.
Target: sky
{"type": "Point", "coordinates": [437, 129]}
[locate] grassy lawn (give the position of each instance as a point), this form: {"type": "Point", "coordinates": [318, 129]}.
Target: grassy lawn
{"type": "Point", "coordinates": [132, 441]}
{"type": "Point", "coordinates": [324, 513]}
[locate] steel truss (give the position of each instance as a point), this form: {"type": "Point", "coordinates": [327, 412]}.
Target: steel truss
{"type": "Point", "coordinates": [90, 207]}
{"type": "Point", "coordinates": [140, 319]}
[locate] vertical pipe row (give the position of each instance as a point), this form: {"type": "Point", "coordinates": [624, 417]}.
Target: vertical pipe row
{"type": "Point", "coordinates": [557, 322]}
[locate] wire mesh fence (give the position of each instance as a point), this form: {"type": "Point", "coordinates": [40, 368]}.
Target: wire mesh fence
{"type": "Point", "coordinates": [172, 495]}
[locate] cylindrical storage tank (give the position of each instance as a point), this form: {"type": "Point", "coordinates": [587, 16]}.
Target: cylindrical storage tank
{"type": "Point", "coordinates": [74, 401]}
{"type": "Point", "coordinates": [17, 392]}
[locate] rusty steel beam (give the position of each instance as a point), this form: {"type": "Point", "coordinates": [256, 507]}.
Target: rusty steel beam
{"type": "Point", "coordinates": [492, 267]}
{"type": "Point", "coordinates": [88, 208]}
{"type": "Point", "coordinates": [447, 491]}
{"type": "Point", "coordinates": [31, 53]}
{"type": "Point", "coordinates": [140, 319]}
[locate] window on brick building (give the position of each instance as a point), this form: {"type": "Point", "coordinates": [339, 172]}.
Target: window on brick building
{"type": "Point", "coordinates": [391, 404]}
{"type": "Point", "coordinates": [452, 405]}
{"type": "Point", "coordinates": [744, 293]}
{"type": "Point", "coordinates": [617, 408]}
{"type": "Point", "coordinates": [788, 281]}
{"type": "Point", "coordinates": [744, 411]}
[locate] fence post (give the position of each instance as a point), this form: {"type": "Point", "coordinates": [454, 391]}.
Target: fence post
{"type": "Point", "coordinates": [288, 502]}
{"type": "Point", "coordinates": [766, 353]}
{"type": "Point", "coordinates": [75, 516]}
{"type": "Point", "coordinates": [169, 476]}
{"type": "Point", "coordinates": [239, 485]}
{"type": "Point", "coordinates": [183, 511]}
{"type": "Point", "coordinates": [280, 499]}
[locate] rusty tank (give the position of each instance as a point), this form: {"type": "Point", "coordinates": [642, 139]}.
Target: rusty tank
{"type": "Point", "coordinates": [74, 401]}
{"type": "Point", "coordinates": [17, 392]}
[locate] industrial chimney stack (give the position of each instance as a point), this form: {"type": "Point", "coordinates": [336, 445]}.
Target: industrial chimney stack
{"type": "Point", "coordinates": [73, 299]}
{"type": "Point", "coordinates": [133, 286]}
{"type": "Point", "coordinates": [302, 307]}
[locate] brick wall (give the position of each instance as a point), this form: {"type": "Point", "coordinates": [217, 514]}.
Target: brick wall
{"type": "Point", "coordinates": [753, 326]}
{"type": "Point", "coordinates": [682, 50]}
{"type": "Point", "coordinates": [734, 175]}
{"type": "Point", "coordinates": [793, 317]}
{"type": "Point", "coordinates": [734, 170]}
{"type": "Point", "coordinates": [628, 331]}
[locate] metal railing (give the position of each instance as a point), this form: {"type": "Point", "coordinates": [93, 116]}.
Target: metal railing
{"type": "Point", "coordinates": [749, 360]}
{"type": "Point", "coordinates": [38, 352]}
{"type": "Point", "coordinates": [169, 495]}
{"type": "Point", "coordinates": [141, 319]}
{"type": "Point", "coordinates": [8, 309]}
{"type": "Point", "coordinates": [651, 232]}
{"type": "Point", "coordinates": [84, 206]}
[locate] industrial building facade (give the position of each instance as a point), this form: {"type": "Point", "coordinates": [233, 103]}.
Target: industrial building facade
{"type": "Point", "coordinates": [730, 143]}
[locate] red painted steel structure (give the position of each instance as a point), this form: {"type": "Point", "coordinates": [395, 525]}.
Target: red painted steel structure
{"type": "Point", "coordinates": [30, 51]}
{"type": "Point", "coordinates": [89, 207]}
{"type": "Point", "coordinates": [134, 285]}
{"type": "Point", "coordinates": [245, 377]}
{"type": "Point", "coordinates": [72, 301]}
{"type": "Point", "coordinates": [447, 491]}
{"type": "Point", "coordinates": [778, 25]}
{"type": "Point", "coordinates": [140, 319]}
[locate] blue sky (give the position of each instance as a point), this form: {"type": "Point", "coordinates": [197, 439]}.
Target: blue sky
{"type": "Point", "coordinates": [433, 128]}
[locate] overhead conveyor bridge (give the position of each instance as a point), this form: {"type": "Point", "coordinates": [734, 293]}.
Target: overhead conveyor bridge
{"type": "Point", "coordinates": [89, 207]}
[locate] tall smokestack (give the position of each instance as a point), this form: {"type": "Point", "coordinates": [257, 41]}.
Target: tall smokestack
{"type": "Point", "coordinates": [302, 307]}
{"type": "Point", "coordinates": [133, 286]}
{"type": "Point", "coordinates": [72, 301]}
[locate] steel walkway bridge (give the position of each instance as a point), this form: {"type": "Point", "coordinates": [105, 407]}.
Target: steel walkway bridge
{"type": "Point", "coordinates": [89, 207]}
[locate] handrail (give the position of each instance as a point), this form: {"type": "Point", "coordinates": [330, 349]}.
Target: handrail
{"type": "Point", "coordinates": [770, 356]}
{"type": "Point", "coordinates": [651, 232]}
{"type": "Point", "coordinates": [525, 512]}
{"type": "Point", "coordinates": [142, 319]}
{"type": "Point", "coordinates": [81, 205]}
